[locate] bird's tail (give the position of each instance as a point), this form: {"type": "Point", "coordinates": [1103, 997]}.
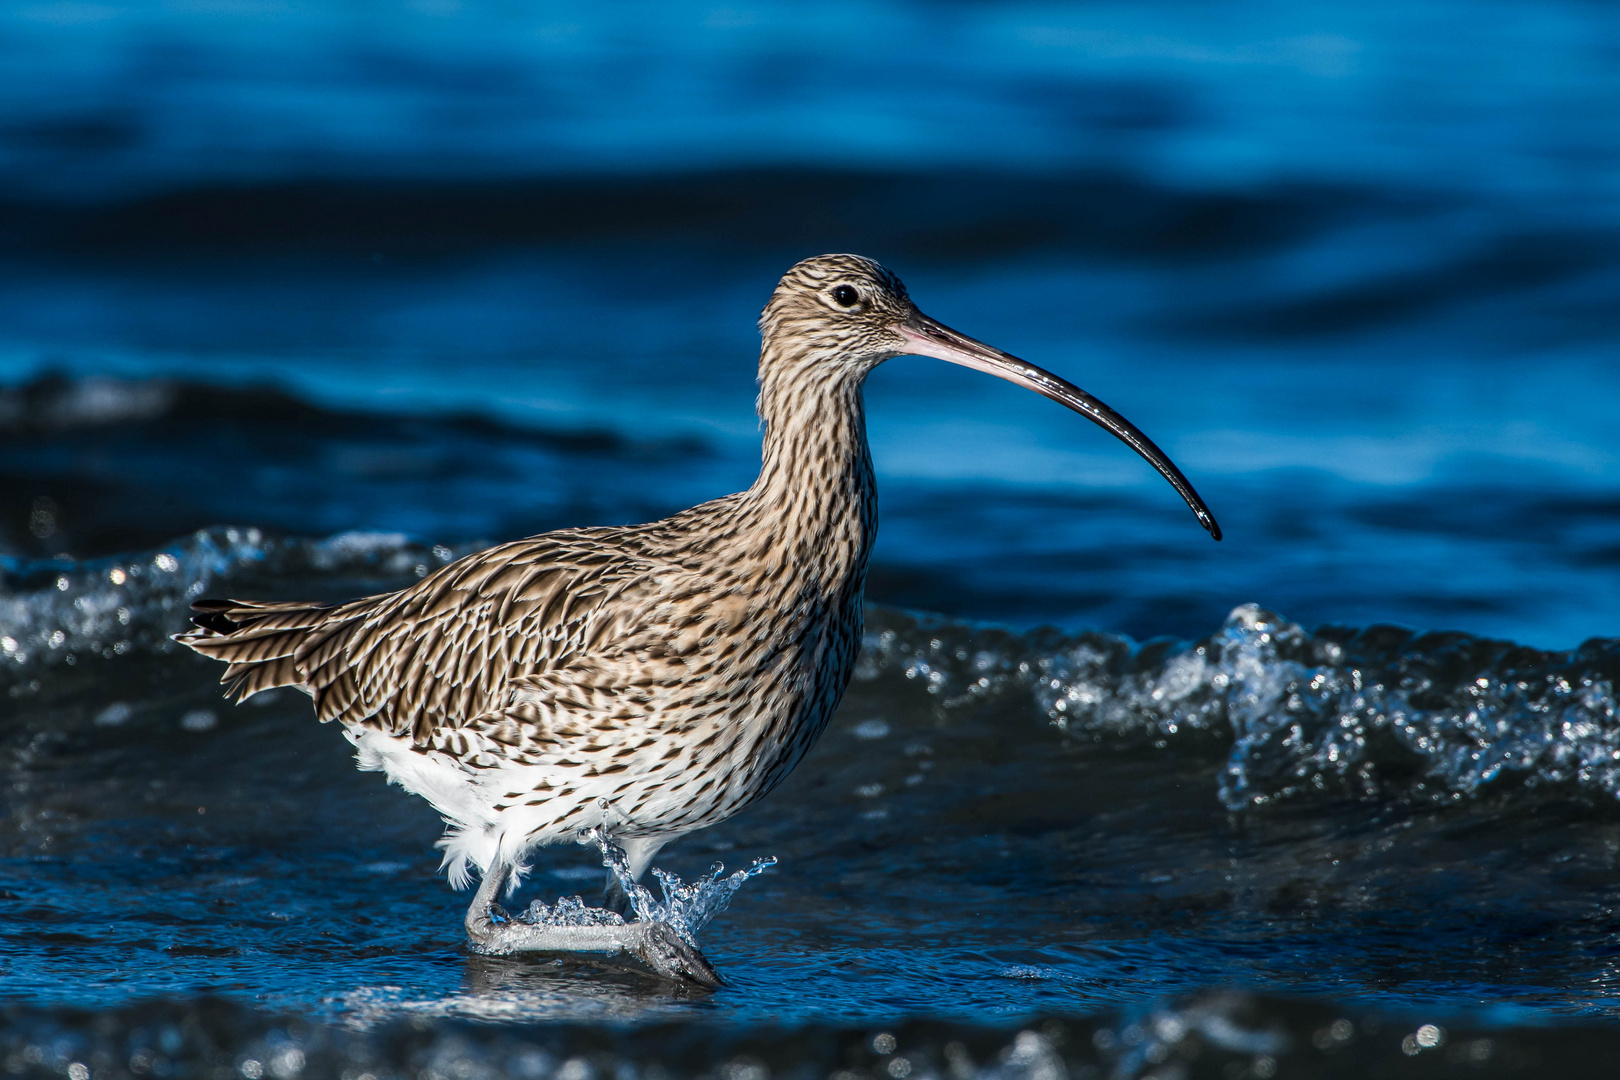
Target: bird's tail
{"type": "Point", "coordinates": [259, 641]}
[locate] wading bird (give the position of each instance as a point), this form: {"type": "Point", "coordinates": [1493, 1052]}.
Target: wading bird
{"type": "Point", "coordinates": [647, 680]}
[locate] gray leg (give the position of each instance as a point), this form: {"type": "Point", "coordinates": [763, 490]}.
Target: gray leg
{"type": "Point", "coordinates": [494, 933]}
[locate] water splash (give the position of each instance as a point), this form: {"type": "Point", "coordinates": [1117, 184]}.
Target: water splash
{"type": "Point", "coordinates": [57, 611]}
{"type": "Point", "coordinates": [569, 911]}
{"type": "Point", "coordinates": [1367, 713]}
{"type": "Point", "coordinates": [685, 908]}
{"type": "Point", "coordinates": [1371, 713]}
{"type": "Point", "coordinates": [1315, 713]}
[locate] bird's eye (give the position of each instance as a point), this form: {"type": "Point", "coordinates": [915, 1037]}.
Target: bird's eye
{"type": "Point", "coordinates": [846, 295]}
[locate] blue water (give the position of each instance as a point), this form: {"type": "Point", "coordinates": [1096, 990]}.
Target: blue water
{"type": "Point", "coordinates": [444, 274]}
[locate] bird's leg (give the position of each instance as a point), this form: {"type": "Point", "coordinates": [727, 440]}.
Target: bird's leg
{"type": "Point", "coordinates": [491, 931]}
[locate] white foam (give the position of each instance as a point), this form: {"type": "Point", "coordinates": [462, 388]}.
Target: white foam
{"type": "Point", "coordinates": [55, 611]}
{"type": "Point", "coordinates": [1451, 713]}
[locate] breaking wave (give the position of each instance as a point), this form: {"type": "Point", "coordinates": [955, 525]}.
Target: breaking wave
{"type": "Point", "coordinates": [56, 611]}
{"type": "Point", "coordinates": [1363, 713]}
{"type": "Point", "coordinates": [1370, 713]}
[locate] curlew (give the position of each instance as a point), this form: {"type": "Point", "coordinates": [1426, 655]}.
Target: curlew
{"type": "Point", "coordinates": [647, 680]}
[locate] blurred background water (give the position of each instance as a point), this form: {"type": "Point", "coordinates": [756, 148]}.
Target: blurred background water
{"type": "Point", "coordinates": [364, 285]}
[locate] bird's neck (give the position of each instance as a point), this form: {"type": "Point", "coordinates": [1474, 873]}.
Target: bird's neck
{"type": "Point", "coordinates": [815, 499]}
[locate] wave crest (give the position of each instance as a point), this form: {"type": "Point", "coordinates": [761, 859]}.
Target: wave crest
{"type": "Point", "coordinates": [56, 611]}
{"type": "Point", "coordinates": [1374, 713]}
{"type": "Point", "coordinates": [1342, 712]}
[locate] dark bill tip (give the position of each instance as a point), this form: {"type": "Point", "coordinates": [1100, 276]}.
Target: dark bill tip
{"type": "Point", "coordinates": [926, 337]}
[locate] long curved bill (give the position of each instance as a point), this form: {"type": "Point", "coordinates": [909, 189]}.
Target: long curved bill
{"type": "Point", "coordinates": [925, 337]}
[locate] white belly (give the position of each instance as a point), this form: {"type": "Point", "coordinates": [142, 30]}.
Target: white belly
{"type": "Point", "coordinates": [486, 825]}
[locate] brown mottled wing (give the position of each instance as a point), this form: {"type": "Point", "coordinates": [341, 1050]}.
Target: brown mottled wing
{"type": "Point", "coordinates": [438, 653]}
{"type": "Point", "coordinates": [446, 649]}
{"type": "Point", "coordinates": [547, 718]}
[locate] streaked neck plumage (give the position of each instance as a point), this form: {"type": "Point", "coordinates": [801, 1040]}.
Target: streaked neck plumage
{"type": "Point", "coordinates": [815, 501]}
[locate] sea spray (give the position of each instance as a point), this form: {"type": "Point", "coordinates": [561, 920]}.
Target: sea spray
{"type": "Point", "coordinates": [685, 908]}
{"type": "Point", "coordinates": [59, 611]}
{"type": "Point", "coordinates": [1369, 713]}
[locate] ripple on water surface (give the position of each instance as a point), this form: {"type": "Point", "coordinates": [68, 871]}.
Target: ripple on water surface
{"type": "Point", "coordinates": [996, 824]}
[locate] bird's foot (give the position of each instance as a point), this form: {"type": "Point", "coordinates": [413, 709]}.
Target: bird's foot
{"type": "Point", "coordinates": [495, 933]}
{"type": "Point", "coordinates": [671, 956]}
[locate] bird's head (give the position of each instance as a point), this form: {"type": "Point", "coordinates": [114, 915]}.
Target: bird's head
{"type": "Point", "coordinates": [836, 313]}
{"type": "Point", "coordinates": [834, 318]}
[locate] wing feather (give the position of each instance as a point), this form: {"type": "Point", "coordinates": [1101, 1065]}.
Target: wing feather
{"type": "Point", "coordinates": [439, 653]}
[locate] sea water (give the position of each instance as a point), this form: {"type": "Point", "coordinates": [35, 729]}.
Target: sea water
{"type": "Point", "coordinates": [306, 305]}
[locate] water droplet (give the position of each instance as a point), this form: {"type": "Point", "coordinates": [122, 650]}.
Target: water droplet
{"type": "Point", "coordinates": [199, 720]}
